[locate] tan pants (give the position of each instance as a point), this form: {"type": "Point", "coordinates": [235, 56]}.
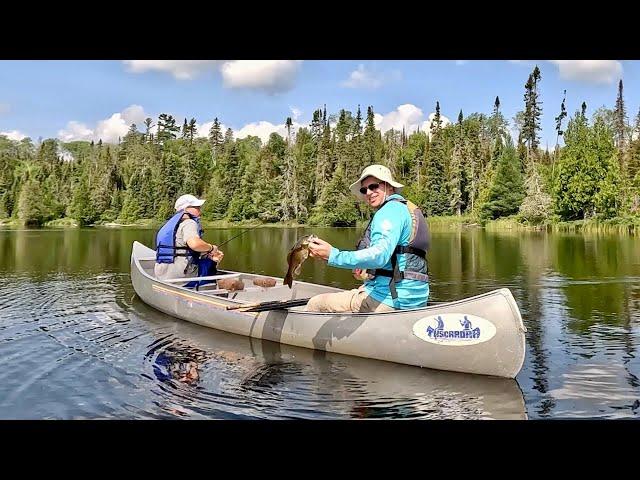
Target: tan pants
{"type": "Point", "coordinates": [350, 301]}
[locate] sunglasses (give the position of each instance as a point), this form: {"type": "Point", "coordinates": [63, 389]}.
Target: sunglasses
{"type": "Point", "coordinates": [372, 186]}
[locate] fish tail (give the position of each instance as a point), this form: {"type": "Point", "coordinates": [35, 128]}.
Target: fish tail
{"type": "Point", "coordinates": [288, 280]}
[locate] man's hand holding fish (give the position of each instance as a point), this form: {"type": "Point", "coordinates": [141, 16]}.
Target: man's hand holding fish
{"type": "Point", "coordinates": [319, 248]}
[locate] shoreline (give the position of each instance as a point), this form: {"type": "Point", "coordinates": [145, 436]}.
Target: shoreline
{"type": "Point", "coordinates": [624, 226]}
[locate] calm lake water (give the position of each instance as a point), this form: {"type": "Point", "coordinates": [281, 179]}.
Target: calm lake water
{"type": "Point", "coordinates": [76, 342]}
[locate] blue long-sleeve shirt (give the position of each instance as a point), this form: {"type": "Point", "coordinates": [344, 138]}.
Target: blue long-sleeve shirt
{"type": "Point", "coordinates": [391, 226]}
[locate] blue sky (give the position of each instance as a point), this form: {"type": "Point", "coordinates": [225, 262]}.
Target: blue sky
{"type": "Point", "coordinates": [81, 99]}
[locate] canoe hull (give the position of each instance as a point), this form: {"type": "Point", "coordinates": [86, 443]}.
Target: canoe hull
{"type": "Point", "coordinates": [481, 335]}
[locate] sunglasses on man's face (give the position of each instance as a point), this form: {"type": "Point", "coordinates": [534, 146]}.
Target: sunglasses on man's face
{"type": "Point", "coordinates": [372, 186]}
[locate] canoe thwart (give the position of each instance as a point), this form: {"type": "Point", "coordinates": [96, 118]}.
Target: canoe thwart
{"type": "Point", "coordinates": [211, 277]}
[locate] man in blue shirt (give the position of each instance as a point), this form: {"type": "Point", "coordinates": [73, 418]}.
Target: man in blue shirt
{"type": "Point", "coordinates": [391, 256]}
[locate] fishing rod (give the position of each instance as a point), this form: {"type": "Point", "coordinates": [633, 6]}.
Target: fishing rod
{"type": "Point", "coordinates": [241, 233]}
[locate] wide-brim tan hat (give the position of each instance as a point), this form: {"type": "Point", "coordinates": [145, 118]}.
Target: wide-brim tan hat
{"type": "Point", "coordinates": [380, 172]}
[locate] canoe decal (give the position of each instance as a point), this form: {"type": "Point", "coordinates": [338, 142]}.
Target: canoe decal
{"type": "Point", "coordinates": [455, 329]}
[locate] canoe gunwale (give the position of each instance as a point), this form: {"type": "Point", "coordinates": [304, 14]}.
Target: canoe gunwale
{"type": "Point", "coordinates": [409, 311]}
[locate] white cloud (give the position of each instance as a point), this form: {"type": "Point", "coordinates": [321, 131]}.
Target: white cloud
{"type": "Point", "coordinates": [117, 125]}
{"type": "Point", "coordinates": [271, 76]}
{"type": "Point", "coordinates": [261, 129]}
{"type": "Point", "coordinates": [363, 78]}
{"type": "Point", "coordinates": [134, 114]}
{"type": "Point", "coordinates": [409, 117]}
{"type": "Point", "coordinates": [4, 108]}
{"type": "Point", "coordinates": [461, 62]}
{"type": "Point", "coordinates": [14, 135]}
{"type": "Point", "coordinates": [75, 131]}
{"type": "Point", "coordinates": [589, 71]}
{"type": "Point", "coordinates": [112, 128]}
{"type": "Point", "coordinates": [264, 129]}
{"type": "Point", "coordinates": [180, 69]}
{"type": "Point", "coordinates": [296, 112]}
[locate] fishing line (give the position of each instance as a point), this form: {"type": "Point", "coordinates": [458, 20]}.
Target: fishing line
{"type": "Point", "coordinates": [236, 236]}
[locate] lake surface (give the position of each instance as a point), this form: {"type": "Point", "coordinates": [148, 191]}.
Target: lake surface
{"type": "Point", "coordinates": [76, 342]}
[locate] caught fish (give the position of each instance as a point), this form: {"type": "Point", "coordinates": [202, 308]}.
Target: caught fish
{"type": "Point", "coordinates": [296, 257]}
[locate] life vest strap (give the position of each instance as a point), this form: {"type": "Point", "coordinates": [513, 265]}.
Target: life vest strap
{"type": "Point", "coordinates": [408, 249]}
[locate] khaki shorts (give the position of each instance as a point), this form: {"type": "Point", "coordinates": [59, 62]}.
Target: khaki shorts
{"type": "Point", "coordinates": [350, 301]}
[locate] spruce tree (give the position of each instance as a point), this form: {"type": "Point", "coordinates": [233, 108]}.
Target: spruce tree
{"type": "Point", "coordinates": [620, 120]}
{"type": "Point", "coordinates": [435, 189]}
{"type": "Point", "coordinates": [507, 191]}
{"type": "Point", "coordinates": [215, 138]}
{"type": "Point", "coordinates": [455, 169]}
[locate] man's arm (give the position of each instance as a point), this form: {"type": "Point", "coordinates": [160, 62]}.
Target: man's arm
{"type": "Point", "coordinates": [386, 229]}
{"type": "Point", "coordinates": [195, 243]}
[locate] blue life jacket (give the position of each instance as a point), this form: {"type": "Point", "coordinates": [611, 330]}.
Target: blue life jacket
{"type": "Point", "coordinates": [166, 250]}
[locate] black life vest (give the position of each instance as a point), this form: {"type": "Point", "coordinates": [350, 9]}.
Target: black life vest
{"type": "Point", "coordinates": [415, 251]}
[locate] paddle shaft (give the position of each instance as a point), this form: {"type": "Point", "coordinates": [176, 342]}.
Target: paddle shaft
{"type": "Point", "coordinates": [267, 308]}
{"type": "Point", "coordinates": [272, 305]}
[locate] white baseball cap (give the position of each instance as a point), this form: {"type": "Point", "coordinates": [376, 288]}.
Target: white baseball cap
{"type": "Point", "coordinates": [380, 172]}
{"type": "Point", "coordinates": [187, 201]}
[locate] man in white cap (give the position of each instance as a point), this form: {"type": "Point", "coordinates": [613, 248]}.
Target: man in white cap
{"type": "Point", "coordinates": [179, 243]}
{"type": "Point", "coordinates": [390, 257]}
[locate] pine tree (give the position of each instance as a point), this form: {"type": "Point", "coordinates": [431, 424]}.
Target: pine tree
{"type": "Point", "coordinates": [8, 166]}
{"type": "Point", "coordinates": [268, 190]}
{"type": "Point", "coordinates": [435, 190]}
{"type": "Point", "coordinates": [532, 112]}
{"type": "Point", "coordinates": [30, 207]}
{"type": "Point", "coordinates": [215, 138]}
{"type": "Point", "coordinates": [357, 126]}
{"type": "Point", "coordinates": [507, 191]}
{"type": "Point", "coordinates": [588, 179]}
{"type": "Point", "coordinates": [228, 138]}
{"type": "Point", "coordinates": [317, 126]}
{"type": "Point", "coordinates": [290, 201]}
{"type": "Point", "coordinates": [185, 130]}
{"type": "Point", "coordinates": [336, 206]}
{"type": "Point", "coordinates": [537, 204]}
{"type": "Point", "coordinates": [497, 124]}
{"type": "Point", "coordinates": [324, 164]}
{"type": "Point", "coordinates": [131, 208]}
{"type": "Point", "coordinates": [457, 158]}
{"type": "Point", "coordinates": [370, 138]}
{"type": "Point", "coordinates": [167, 128]}
{"type": "Point", "coordinates": [636, 127]}
{"type": "Point", "coordinates": [148, 123]}
{"type": "Point", "coordinates": [133, 137]}
{"type": "Point", "coordinates": [473, 172]}
{"type": "Point", "coordinates": [620, 120]}
{"type": "Point", "coordinates": [608, 199]}
{"type": "Point", "coordinates": [81, 207]}
{"type": "Point", "coordinates": [559, 119]}
{"type": "Point", "coordinates": [193, 130]}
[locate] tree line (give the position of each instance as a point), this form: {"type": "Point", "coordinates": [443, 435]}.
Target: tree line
{"type": "Point", "coordinates": [470, 167]}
